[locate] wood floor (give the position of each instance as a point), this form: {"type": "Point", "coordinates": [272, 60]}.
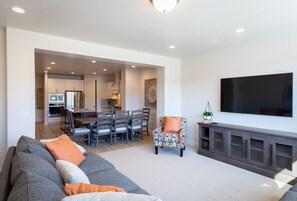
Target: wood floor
{"type": "Point", "coordinates": [54, 130]}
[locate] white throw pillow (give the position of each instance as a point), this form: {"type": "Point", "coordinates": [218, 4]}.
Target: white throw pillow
{"type": "Point", "coordinates": [111, 196]}
{"type": "Point", "coordinates": [43, 141]}
{"type": "Point", "coordinates": [71, 173]}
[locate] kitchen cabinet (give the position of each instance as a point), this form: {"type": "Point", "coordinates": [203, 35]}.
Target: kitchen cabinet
{"type": "Point", "coordinates": [268, 152]}
{"type": "Point", "coordinates": [77, 85]}
{"type": "Point", "coordinates": [108, 87]}
{"type": "Point", "coordinates": [56, 85]}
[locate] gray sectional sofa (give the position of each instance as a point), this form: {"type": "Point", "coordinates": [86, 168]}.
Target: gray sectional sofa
{"type": "Point", "coordinates": [29, 173]}
{"type": "Point", "coordinates": [290, 195]}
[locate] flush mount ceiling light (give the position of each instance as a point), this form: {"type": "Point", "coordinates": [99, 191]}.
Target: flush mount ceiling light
{"type": "Point", "coordinates": [164, 6]}
{"type": "Point", "coordinates": [239, 30]}
{"type": "Point", "coordinates": [18, 9]}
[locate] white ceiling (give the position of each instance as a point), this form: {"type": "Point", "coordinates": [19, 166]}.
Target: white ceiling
{"type": "Point", "coordinates": [66, 63]}
{"type": "Point", "coordinates": [194, 26]}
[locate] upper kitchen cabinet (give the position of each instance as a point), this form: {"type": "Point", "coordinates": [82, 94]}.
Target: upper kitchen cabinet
{"type": "Point", "coordinates": [77, 85]}
{"type": "Point", "coordinates": [56, 85]}
{"type": "Point", "coordinates": [108, 86]}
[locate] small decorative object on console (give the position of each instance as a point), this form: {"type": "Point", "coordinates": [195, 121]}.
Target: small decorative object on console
{"type": "Point", "coordinates": [207, 114]}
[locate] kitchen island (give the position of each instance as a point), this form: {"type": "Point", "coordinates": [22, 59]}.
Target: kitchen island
{"type": "Point", "coordinates": [83, 113]}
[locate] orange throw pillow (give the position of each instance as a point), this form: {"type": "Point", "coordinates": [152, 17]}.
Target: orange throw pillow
{"type": "Point", "coordinates": [78, 188]}
{"type": "Point", "coordinates": [64, 149]}
{"type": "Point", "coordinates": [172, 124]}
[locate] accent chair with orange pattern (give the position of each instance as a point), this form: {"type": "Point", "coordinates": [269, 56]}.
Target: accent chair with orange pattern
{"type": "Point", "coordinates": [171, 133]}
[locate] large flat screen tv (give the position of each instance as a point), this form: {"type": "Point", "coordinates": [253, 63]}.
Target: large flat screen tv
{"type": "Point", "coordinates": [263, 94]}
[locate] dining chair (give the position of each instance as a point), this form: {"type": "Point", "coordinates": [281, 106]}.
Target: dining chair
{"type": "Point", "coordinates": [121, 121]}
{"type": "Point", "coordinates": [146, 119]}
{"type": "Point", "coordinates": [78, 133]}
{"type": "Point", "coordinates": [103, 127]}
{"type": "Point", "coordinates": [135, 125]}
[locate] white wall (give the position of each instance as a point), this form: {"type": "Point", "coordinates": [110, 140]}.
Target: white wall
{"type": "Point", "coordinates": [39, 83]}
{"type": "Point", "coordinates": [21, 75]}
{"type": "Point", "coordinates": [145, 74]}
{"type": "Point", "coordinates": [3, 137]}
{"type": "Point", "coordinates": [201, 81]}
{"type": "Point", "coordinates": [132, 79]}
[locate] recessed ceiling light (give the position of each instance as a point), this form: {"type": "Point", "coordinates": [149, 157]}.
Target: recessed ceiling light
{"type": "Point", "coordinates": [53, 62]}
{"type": "Point", "coordinates": [172, 46]}
{"type": "Point", "coordinates": [72, 73]}
{"type": "Point", "coordinates": [48, 68]}
{"type": "Point", "coordinates": [45, 71]}
{"type": "Point", "coordinates": [94, 61]}
{"type": "Point", "coordinates": [104, 69]}
{"type": "Point", "coordinates": [133, 66]}
{"type": "Point", "coordinates": [239, 30]}
{"type": "Point", "coordinates": [18, 9]}
{"type": "Point", "coordinates": [94, 73]}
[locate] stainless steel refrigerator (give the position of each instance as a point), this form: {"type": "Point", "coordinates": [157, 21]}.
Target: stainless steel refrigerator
{"type": "Point", "coordinates": [74, 100]}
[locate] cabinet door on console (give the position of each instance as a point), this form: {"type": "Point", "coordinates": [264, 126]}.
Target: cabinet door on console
{"type": "Point", "coordinates": [237, 145]}
{"type": "Point", "coordinates": [218, 143]}
{"type": "Point", "coordinates": [257, 149]}
{"type": "Point", "coordinates": [284, 156]}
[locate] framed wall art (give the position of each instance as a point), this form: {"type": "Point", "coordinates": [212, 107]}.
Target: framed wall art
{"type": "Point", "coordinates": [150, 96]}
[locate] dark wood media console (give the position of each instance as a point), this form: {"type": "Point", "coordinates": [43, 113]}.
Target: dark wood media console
{"type": "Point", "coordinates": [267, 152]}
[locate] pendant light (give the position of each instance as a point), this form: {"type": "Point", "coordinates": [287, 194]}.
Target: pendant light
{"type": "Point", "coordinates": [164, 6]}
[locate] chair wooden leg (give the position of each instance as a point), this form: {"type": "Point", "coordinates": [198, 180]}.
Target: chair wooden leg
{"type": "Point", "coordinates": [127, 136]}
{"type": "Point", "coordinates": [181, 152]}
{"type": "Point", "coordinates": [156, 150]}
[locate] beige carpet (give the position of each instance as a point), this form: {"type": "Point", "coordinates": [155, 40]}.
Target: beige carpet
{"type": "Point", "coordinates": [193, 177]}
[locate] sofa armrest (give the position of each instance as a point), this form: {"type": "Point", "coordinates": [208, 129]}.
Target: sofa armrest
{"type": "Point", "coordinates": [5, 186]}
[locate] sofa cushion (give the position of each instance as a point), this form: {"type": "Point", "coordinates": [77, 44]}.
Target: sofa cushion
{"type": "Point", "coordinates": [35, 188]}
{"type": "Point", "coordinates": [94, 163]}
{"type": "Point", "coordinates": [43, 141]}
{"type": "Point", "coordinates": [29, 145]}
{"type": "Point", "coordinates": [71, 173]}
{"type": "Point", "coordinates": [78, 188]}
{"type": "Point", "coordinates": [112, 177]}
{"type": "Point", "coordinates": [111, 196]}
{"type": "Point", "coordinates": [5, 186]}
{"type": "Point", "coordinates": [31, 164]}
{"type": "Point", "coordinates": [64, 149]}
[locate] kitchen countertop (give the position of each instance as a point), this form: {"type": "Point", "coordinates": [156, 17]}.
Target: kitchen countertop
{"type": "Point", "coordinates": [82, 110]}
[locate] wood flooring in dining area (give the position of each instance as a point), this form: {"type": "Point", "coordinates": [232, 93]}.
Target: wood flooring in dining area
{"type": "Point", "coordinates": [54, 130]}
